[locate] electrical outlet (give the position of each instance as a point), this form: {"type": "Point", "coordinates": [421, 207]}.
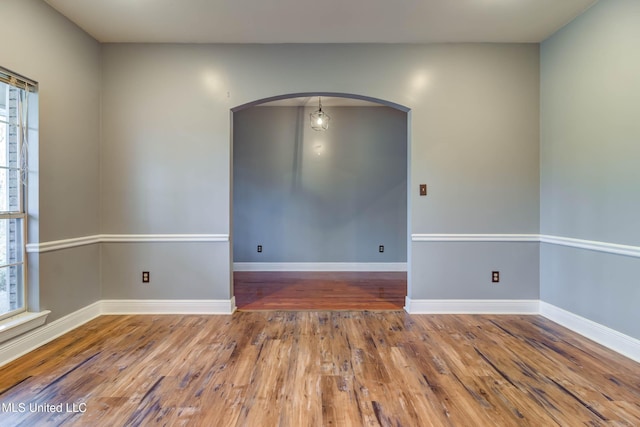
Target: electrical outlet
{"type": "Point", "coordinates": [145, 277]}
{"type": "Point", "coordinates": [381, 248]}
{"type": "Point", "coordinates": [495, 276]}
{"type": "Point", "coordinates": [259, 248]}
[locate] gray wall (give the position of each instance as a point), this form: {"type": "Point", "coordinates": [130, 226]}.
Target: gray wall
{"type": "Point", "coordinates": [462, 270]}
{"type": "Point", "coordinates": [166, 129]}
{"type": "Point", "coordinates": [163, 165]}
{"type": "Point", "coordinates": [153, 155]}
{"type": "Point", "coordinates": [203, 263]}
{"type": "Point", "coordinates": [46, 47]}
{"type": "Point", "coordinates": [309, 196]}
{"type": "Point", "coordinates": [590, 99]}
{"type": "Point", "coordinates": [164, 162]}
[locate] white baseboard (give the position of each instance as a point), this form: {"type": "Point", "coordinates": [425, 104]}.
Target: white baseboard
{"type": "Point", "coordinates": [168, 306]}
{"type": "Point", "coordinates": [320, 266]}
{"type": "Point", "coordinates": [29, 341]}
{"type": "Point", "coordinates": [460, 306]}
{"type": "Point", "coordinates": [610, 338]}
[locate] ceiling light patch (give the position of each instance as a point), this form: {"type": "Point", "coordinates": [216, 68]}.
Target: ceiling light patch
{"type": "Point", "coordinates": [417, 84]}
{"type": "Point", "coordinates": [215, 85]}
{"type": "Point", "coordinates": [419, 81]}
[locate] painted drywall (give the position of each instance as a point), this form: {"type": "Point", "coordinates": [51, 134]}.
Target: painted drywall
{"type": "Point", "coordinates": [69, 279]}
{"type": "Point", "coordinates": [44, 46]}
{"type": "Point", "coordinates": [590, 133]}
{"type": "Point", "coordinates": [65, 61]}
{"type": "Point", "coordinates": [309, 196]}
{"type": "Point", "coordinates": [184, 270]}
{"type": "Point", "coordinates": [462, 270]}
{"type": "Point", "coordinates": [598, 286]}
{"type": "Point", "coordinates": [474, 131]}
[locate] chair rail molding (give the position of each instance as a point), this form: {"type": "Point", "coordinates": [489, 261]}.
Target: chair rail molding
{"type": "Point", "coordinates": [123, 238]}
{"type": "Point", "coordinates": [475, 237]}
{"type": "Point", "coordinates": [592, 245]}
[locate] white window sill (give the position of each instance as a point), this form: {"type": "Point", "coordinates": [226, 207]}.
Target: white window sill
{"type": "Point", "coordinates": [21, 323]}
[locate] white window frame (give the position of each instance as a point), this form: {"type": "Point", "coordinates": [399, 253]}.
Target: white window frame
{"type": "Point", "coordinates": [20, 211]}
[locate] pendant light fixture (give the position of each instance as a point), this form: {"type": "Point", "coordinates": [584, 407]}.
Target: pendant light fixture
{"type": "Point", "coordinates": [319, 119]}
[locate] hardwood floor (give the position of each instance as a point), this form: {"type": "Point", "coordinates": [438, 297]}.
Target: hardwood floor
{"type": "Point", "coordinates": [320, 290]}
{"type": "Point", "coordinates": [320, 369]}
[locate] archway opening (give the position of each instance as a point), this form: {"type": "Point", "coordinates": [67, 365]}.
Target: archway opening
{"type": "Point", "coordinates": [320, 220]}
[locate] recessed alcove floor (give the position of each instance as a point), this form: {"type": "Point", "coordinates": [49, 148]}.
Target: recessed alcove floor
{"type": "Point", "coordinates": [319, 290]}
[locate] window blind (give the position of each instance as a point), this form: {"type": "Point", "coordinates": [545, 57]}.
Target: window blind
{"type": "Point", "coordinates": [14, 79]}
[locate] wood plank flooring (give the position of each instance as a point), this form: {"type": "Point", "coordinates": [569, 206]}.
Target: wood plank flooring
{"type": "Point", "coordinates": [321, 369]}
{"type": "Point", "coordinates": [320, 290]}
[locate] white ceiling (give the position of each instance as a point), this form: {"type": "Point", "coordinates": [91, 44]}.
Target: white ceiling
{"type": "Point", "coordinates": [320, 21]}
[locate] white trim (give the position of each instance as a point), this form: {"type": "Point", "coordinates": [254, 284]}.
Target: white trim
{"type": "Point", "coordinates": [123, 238]}
{"type": "Point", "coordinates": [29, 341]}
{"type": "Point", "coordinates": [144, 238]}
{"type": "Point", "coordinates": [168, 306]}
{"type": "Point", "coordinates": [593, 245]}
{"type": "Point", "coordinates": [475, 237]}
{"type": "Point", "coordinates": [610, 338]}
{"type": "Point", "coordinates": [62, 244]}
{"type": "Point", "coordinates": [463, 306]}
{"type": "Point", "coordinates": [21, 323]}
{"type": "Point", "coordinates": [612, 248]}
{"type": "Point", "coordinates": [38, 337]}
{"type": "Point", "coordinates": [320, 266]}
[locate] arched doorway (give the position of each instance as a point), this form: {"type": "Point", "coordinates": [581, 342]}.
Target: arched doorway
{"type": "Point", "coordinates": [320, 215]}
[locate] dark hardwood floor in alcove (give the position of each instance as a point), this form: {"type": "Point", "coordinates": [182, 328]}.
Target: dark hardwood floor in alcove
{"type": "Point", "coordinates": [320, 290]}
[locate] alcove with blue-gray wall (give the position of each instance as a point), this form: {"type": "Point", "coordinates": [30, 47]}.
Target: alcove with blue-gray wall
{"type": "Point", "coordinates": [309, 196]}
